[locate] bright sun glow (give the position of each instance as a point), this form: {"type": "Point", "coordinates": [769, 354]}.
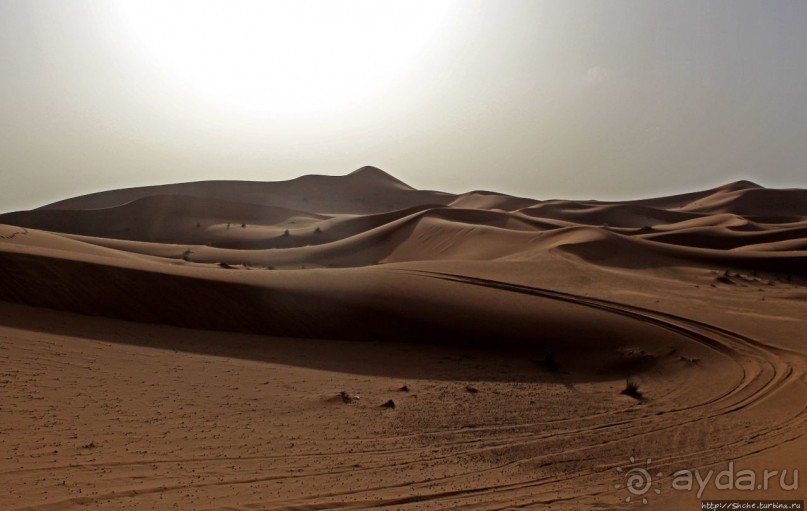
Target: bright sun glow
{"type": "Point", "coordinates": [289, 56]}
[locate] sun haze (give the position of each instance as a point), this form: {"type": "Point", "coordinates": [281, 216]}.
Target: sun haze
{"type": "Point", "coordinates": [578, 99]}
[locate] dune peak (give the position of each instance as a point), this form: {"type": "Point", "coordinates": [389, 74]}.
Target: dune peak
{"type": "Point", "coordinates": [377, 175]}
{"type": "Point", "coordinates": [742, 184]}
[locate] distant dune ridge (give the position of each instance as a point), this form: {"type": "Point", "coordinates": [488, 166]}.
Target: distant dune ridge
{"type": "Point", "coordinates": [369, 216]}
{"type": "Point", "coordinates": [107, 253]}
{"type": "Point", "coordinates": [228, 344]}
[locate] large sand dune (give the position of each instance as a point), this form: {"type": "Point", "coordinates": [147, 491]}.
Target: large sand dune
{"type": "Point", "coordinates": [185, 346]}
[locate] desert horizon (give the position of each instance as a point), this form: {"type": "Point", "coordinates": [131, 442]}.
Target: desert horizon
{"type": "Point", "coordinates": [352, 342]}
{"type": "Point", "coordinates": [411, 255]}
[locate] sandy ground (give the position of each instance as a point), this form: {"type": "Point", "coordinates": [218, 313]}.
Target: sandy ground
{"type": "Point", "coordinates": [246, 368]}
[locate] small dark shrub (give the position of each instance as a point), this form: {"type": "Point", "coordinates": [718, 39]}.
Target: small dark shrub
{"type": "Point", "coordinates": [632, 389]}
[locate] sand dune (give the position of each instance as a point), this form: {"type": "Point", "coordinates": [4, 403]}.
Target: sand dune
{"type": "Point", "coordinates": [774, 205]}
{"type": "Point", "coordinates": [491, 200]}
{"type": "Point", "coordinates": [165, 219]}
{"type": "Point", "coordinates": [228, 345]}
{"type": "Point", "coordinates": [366, 190]}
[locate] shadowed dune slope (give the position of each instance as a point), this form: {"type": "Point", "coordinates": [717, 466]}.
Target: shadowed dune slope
{"type": "Point", "coordinates": [357, 304]}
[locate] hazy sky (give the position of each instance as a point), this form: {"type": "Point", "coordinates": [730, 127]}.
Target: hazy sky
{"type": "Point", "coordinates": [573, 99]}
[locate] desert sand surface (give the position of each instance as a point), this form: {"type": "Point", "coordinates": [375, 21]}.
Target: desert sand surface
{"type": "Point", "coordinates": [240, 345]}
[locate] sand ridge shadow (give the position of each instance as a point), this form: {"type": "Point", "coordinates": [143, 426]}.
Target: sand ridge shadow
{"type": "Point", "coordinates": [392, 359]}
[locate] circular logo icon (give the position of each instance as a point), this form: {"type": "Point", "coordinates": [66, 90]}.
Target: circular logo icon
{"type": "Point", "coordinates": [637, 480]}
